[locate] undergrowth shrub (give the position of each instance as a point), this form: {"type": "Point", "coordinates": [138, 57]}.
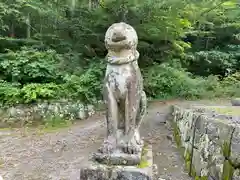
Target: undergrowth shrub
{"type": "Point", "coordinates": [205, 63]}
{"type": "Point", "coordinates": [88, 86]}
{"type": "Point", "coordinates": [34, 92]}
{"type": "Point", "coordinates": [13, 93]}
{"type": "Point", "coordinates": [230, 85]}
{"type": "Point", "coordinates": [163, 81]}
{"type": "Point", "coordinates": [31, 65]}
{"type": "Point", "coordinates": [160, 81]}
{"type": "Point", "coordinates": [9, 93]}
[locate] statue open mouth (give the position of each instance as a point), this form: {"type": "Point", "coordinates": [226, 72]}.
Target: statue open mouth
{"type": "Point", "coordinates": [118, 36]}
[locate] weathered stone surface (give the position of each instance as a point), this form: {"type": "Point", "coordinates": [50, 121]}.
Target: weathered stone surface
{"type": "Point", "coordinates": [122, 155]}
{"type": "Point", "coordinates": [40, 111]}
{"type": "Point", "coordinates": [143, 171]}
{"type": "Point", "coordinates": [236, 175]}
{"type": "Point", "coordinates": [123, 93]}
{"type": "Point", "coordinates": [235, 147]}
{"type": "Point", "coordinates": [210, 137]}
{"type": "Point", "coordinates": [118, 158]}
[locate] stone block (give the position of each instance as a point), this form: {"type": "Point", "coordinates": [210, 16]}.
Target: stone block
{"type": "Point", "coordinates": [119, 158]}
{"type": "Point", "coordinates": [96, 171]}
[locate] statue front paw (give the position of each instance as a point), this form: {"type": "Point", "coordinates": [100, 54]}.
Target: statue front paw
{"type": "Point", "coordinates": [132, 148]}
{"type": "Point", "coordinates": [138, 139]}
{"type": "Point", "coordinates": [109, 145]}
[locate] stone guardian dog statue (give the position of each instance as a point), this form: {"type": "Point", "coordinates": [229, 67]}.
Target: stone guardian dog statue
{"type": "Point", "coordinates": [123, 91]}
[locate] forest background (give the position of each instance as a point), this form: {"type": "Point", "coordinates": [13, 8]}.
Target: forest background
{"type": "Point", "coordinates": [55, 49]}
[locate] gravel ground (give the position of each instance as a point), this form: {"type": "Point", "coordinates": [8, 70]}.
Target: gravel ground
{"type": "Point", "coordinates": [60, 155]}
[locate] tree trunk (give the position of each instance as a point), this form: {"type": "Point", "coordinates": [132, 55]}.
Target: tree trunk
{"type": "Point", "coordinates": [28, 26]}
{"type": "Point", "coordinates": [92, 4]}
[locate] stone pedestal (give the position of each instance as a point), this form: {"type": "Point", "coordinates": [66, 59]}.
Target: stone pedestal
{"type": "Point", "coordinates": [143, 171]}
{"type": "Point", "coordinates": [119, 158]}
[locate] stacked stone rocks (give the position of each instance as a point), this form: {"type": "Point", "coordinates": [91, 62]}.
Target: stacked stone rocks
{"type": "Point", "coordinates": [209, 139]}
{"type": "Point", "coordinates": [64, 109]}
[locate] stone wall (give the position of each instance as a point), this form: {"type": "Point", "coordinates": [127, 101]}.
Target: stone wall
{"type": "Point", "coordinates": [209, 140]}
{"type": "Point", "coordinates": [40, 111]}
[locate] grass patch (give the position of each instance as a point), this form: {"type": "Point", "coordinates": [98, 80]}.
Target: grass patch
{"type": "Point", "coordinates": [226, 110]}
{"type": "Point", "coordinates": [50, 124]}
{"type": "Point", "coordinates": [55, 123]}
{"type": "Point", "coordinates": [201, 178]}
{"type": "Point", "coordinates": [6, 129]}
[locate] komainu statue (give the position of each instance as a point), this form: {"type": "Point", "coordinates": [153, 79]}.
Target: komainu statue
{"type": "Point", "coordinates": [123, 92]}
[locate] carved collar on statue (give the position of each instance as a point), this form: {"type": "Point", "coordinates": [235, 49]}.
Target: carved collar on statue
{"type": "Point", "coordinates": [123, 60]}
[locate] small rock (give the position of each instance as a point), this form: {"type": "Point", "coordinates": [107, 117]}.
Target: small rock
{"type": "Point", "coordinates": [235, 102]}
{"type": "Point", "coordinates": [160, 118]}
{"type": "Point", "coordinates": [169, 137]}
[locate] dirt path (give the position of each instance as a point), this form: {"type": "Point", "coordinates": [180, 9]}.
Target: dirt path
{"type": "Point", "coordinates": [59, 156]}
{"type": "Point", "coordinates": [55, 156]}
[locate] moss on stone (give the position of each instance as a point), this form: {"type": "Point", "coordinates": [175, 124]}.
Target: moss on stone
{"type": "Point", "coordinates": [187, 165]}
{"type": "Point", "coordinates": [228, 171]}
{"type": "Point", "coordinates": [201, 178]}
{"type": "Point", "coordinates": [193, 172]}
{"type": "Point", "coordinates": [226, 149]}
{"type": "Point", "coordinates": [187, 159]}
{"type": "Point", "coordinates": [176, 134]}
{"type": "Point", "coordinates": [187, 155]}
{"type": "Point", "coordinates": [144, 162]}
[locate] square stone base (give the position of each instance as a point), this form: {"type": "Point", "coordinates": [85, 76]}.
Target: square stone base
{"type": "Point", "coordinates": [97, 171]}
{"type": "Point", "coordinates": [119, 158]}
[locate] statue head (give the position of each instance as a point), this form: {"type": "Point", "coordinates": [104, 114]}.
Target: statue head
{"type": "Point", "coordinates": [121, 36]}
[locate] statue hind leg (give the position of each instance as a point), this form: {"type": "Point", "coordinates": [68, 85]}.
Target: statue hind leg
{"type": "Point", "coordinates": [141, 113]}
{"type": "Point", "coordinates": [142, 109]}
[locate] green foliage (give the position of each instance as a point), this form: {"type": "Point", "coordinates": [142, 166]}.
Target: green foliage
{"type": "Point", "coordinates": [16, 44]}
{"type": "Point", "coordinates": [55, 49]}
{"type": "Point", "coordinates": [9, 93]}
{"type": "Point", "coordinates": [213, 62]}
{"type": "Point", "coordinates": [33, 92]}
{"type": "Point", "coordinates": [163, 81]}
{"type": "Point", "coordinates": [13, 93]}
{"type": "Point", "coordinates": [30, 65]}
{"type": "Point", "coordinates": [230, 85]}
{"type": "Point", "coordinates": [86, 87]}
